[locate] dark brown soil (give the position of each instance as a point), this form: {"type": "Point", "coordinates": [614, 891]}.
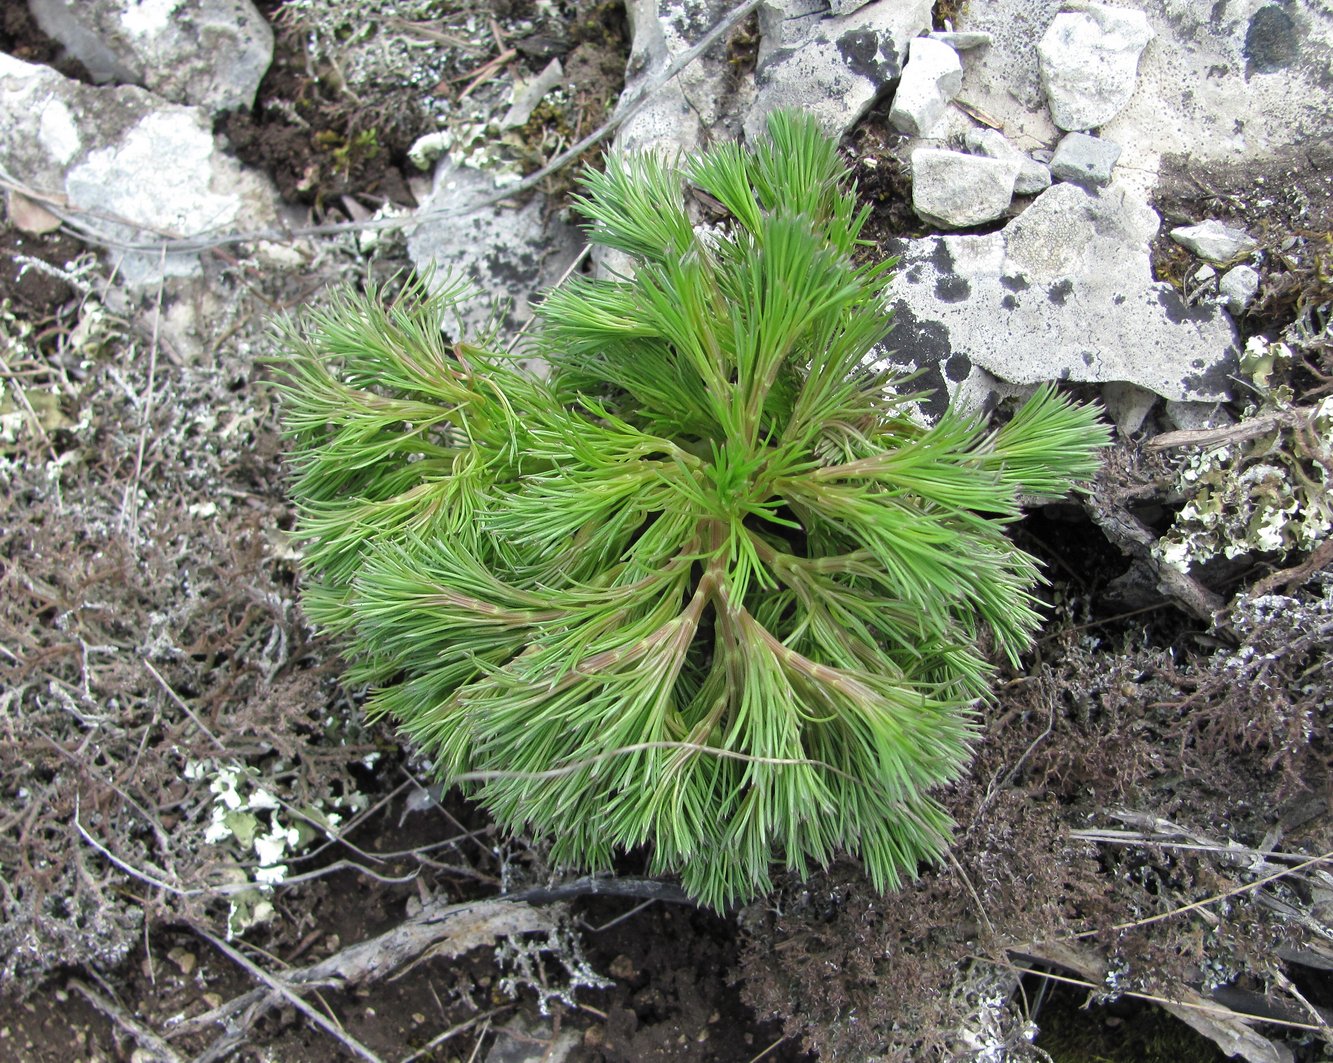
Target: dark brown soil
{"type": "Point", "coordinates": [36, 292]}
{"type": "Point", "coordinates": [673, 998]}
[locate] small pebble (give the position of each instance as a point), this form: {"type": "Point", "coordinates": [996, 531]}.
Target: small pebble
{"type": "Point", "coordinates": [1238, 287]}
{"type": "Point", "coordinates": [1214, 242]}
{"type": "Point", "coordinates": [1084, 160]}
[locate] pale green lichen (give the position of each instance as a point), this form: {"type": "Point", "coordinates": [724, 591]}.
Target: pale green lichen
{"type": "Point", "coordinates": [263, 833]}
{"type": "Point", "coordinates": [1265, 490]}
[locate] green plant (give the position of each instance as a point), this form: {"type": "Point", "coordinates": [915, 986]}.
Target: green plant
{"type": "Point", "coordinates": [712, 587]}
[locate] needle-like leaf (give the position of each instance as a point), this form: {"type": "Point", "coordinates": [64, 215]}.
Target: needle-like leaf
{"type": "Point", "coordinates": [710, 589]}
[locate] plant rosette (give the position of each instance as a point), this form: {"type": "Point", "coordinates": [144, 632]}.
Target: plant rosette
{"type": "Point", "coordinates": [712, 588]}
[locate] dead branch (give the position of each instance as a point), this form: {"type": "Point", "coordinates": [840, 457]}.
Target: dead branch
{"type": "Point", "coordinates": [1226, 1028]}
{"type": "Point", "coordinates": [1231, 433]}
{"type": "Point", "coordinates": [152, 1047]}
{"type": "Point", "coordinates": [1136, 539]}
{"type": "Point", "coordinates": [282, 989]}
{"type": "Point", "coordinates": [446, 930]}
{"type": "Point", "coordinates": [1287, 578]}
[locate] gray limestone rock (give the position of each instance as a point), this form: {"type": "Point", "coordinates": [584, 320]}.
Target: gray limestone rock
{"type": "Point", "coordinates": [932, 77]}
{"type": "Point", "coordinates": [845, 7]}
{"type": "Point", "coordinates": [1214, 242]}
{"type": "Point", "coordinates": [208, 53]}
{"type": "Point", "coordinates": [677, 115]}
{"type": "Point", "coordinates": [1065, 291]}
{"type": "Point", "coordinates": [1220, 83]}
{"type": "Point", "coordinates": [1128, 405]}
{"type": "Point", "coordinates": [1238, 287]}
{"type": "Point", "coordinates": [1033, 176]}
{"type": "Point", "coordinates": [124, 154]}
{"type": "Point", "coordinates": [954, 190]}
{"type": "Point", "coordinates": [831, 67]}
{"type": "Point", "coordinates": [1089, 59]}
{"type": "Point", "coordinates": [960, 42]}
{"type": "Point", "coordinates": [1084, 160]}
{"type": "Point", "coordinates": [508, 255]}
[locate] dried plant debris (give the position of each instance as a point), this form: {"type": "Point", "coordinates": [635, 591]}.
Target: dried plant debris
{"type": "Point", "coordinates": [1285, 202]}
{"type": "Point", "coordinates": [1142, 811]}
{"type": "Point", "coordinates": [149, 642]}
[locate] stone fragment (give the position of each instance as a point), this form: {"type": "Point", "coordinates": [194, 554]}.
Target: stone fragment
{"type": "Point", "coordinates": [1128, 405]}
{"type": "Point", "coordinates": [124, 154]}
{"type": "Point", "coordinates": [1064, 291]}
{"type": "Point", "coordinates": [831, 67]}
{"type": "Point", "coordinates": [507, 254]}
{"type": "Point", "coordinates": [958, 41]}
{"type": "Point", "coordinates": [954, 190]}
{"type": "Point", "coordinates": [208, 53]}
{"type": "Point", "coordinates": [1084, 160]}
{"type": "Point", "coordinates": [519, 1041]}
{"type": "Point", "coordinates": [1089, 60]}
{"type": "Point", "coordinates": [932, 77]}
{"type": "Point", "coordinates": [1213, 88]}
{"type": "Point", "coordinates": [1033, 176]}
{"type": "Point", "coordinates": [1214, 242]}
{"type": "Point", "coordinates": [838, 8]}
{"type": "Point", "coordinates": [1238, 287]}
{"type": "Point", "coordinates": [526, 97]}
{"type": "Point", "coordinates": [675, 116]}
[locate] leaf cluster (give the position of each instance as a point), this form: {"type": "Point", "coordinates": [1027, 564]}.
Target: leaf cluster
{"type": "Point", "coordinates": [712, 587]}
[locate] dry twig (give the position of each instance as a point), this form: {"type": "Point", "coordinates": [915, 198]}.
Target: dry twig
{"type": "Point", "coordinates": [154, 1049]}
{"type": "Point", "coordinates": [280, 987]}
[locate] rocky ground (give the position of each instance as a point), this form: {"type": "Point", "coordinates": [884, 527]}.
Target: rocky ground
{"type": "Point", "coordinates": [207, 853]}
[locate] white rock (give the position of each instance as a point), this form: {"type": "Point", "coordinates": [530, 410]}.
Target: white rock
{"type": "Point", "coordinates": [508, 255]}
{"type": "Point", "coordinates": [960, 42]}
{"type": "Point", "coordinates": [1238, 287]}
{"type": "Point", "coordinates": [932, 77]}
{"type": "Point", "coordinates": [209, 53]}
{"type": "Point", "coordinates": [1221, 84]}
{"type": "Point", "coordinates": [124, 154]}
{"type": "Point", "coordinates": [527, 96]}
{"type": "Point", "coordinates": [1033, 176]}
{"type": "Point", "coordinates": [833, 68]}
{"type": "Point", "coordinates": [1089, 59]}
{"type": "Point", "coordinates": [1084, 160]}
{"type": "Point", "coordinates": [954, 190]}
{"type": "Point", "coordinates": [676, 116]}
{"type": "Point", "coordinates": [1064, 291]}
{"type": "Point", "coordinates": [1214, 242]}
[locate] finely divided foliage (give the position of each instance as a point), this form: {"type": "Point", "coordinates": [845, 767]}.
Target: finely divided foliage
{"type": "Point", "coordinates": [710, 589]}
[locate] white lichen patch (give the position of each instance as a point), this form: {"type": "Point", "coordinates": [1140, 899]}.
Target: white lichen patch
{"type": "Point", "coordinates": [263, 831]}
{"type": "Point", "coordinates": [146, 17]}
{"type": "Point", "coordinates": [58, 132]}
{"type": "Point", "coordinates": [1265, 492]}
